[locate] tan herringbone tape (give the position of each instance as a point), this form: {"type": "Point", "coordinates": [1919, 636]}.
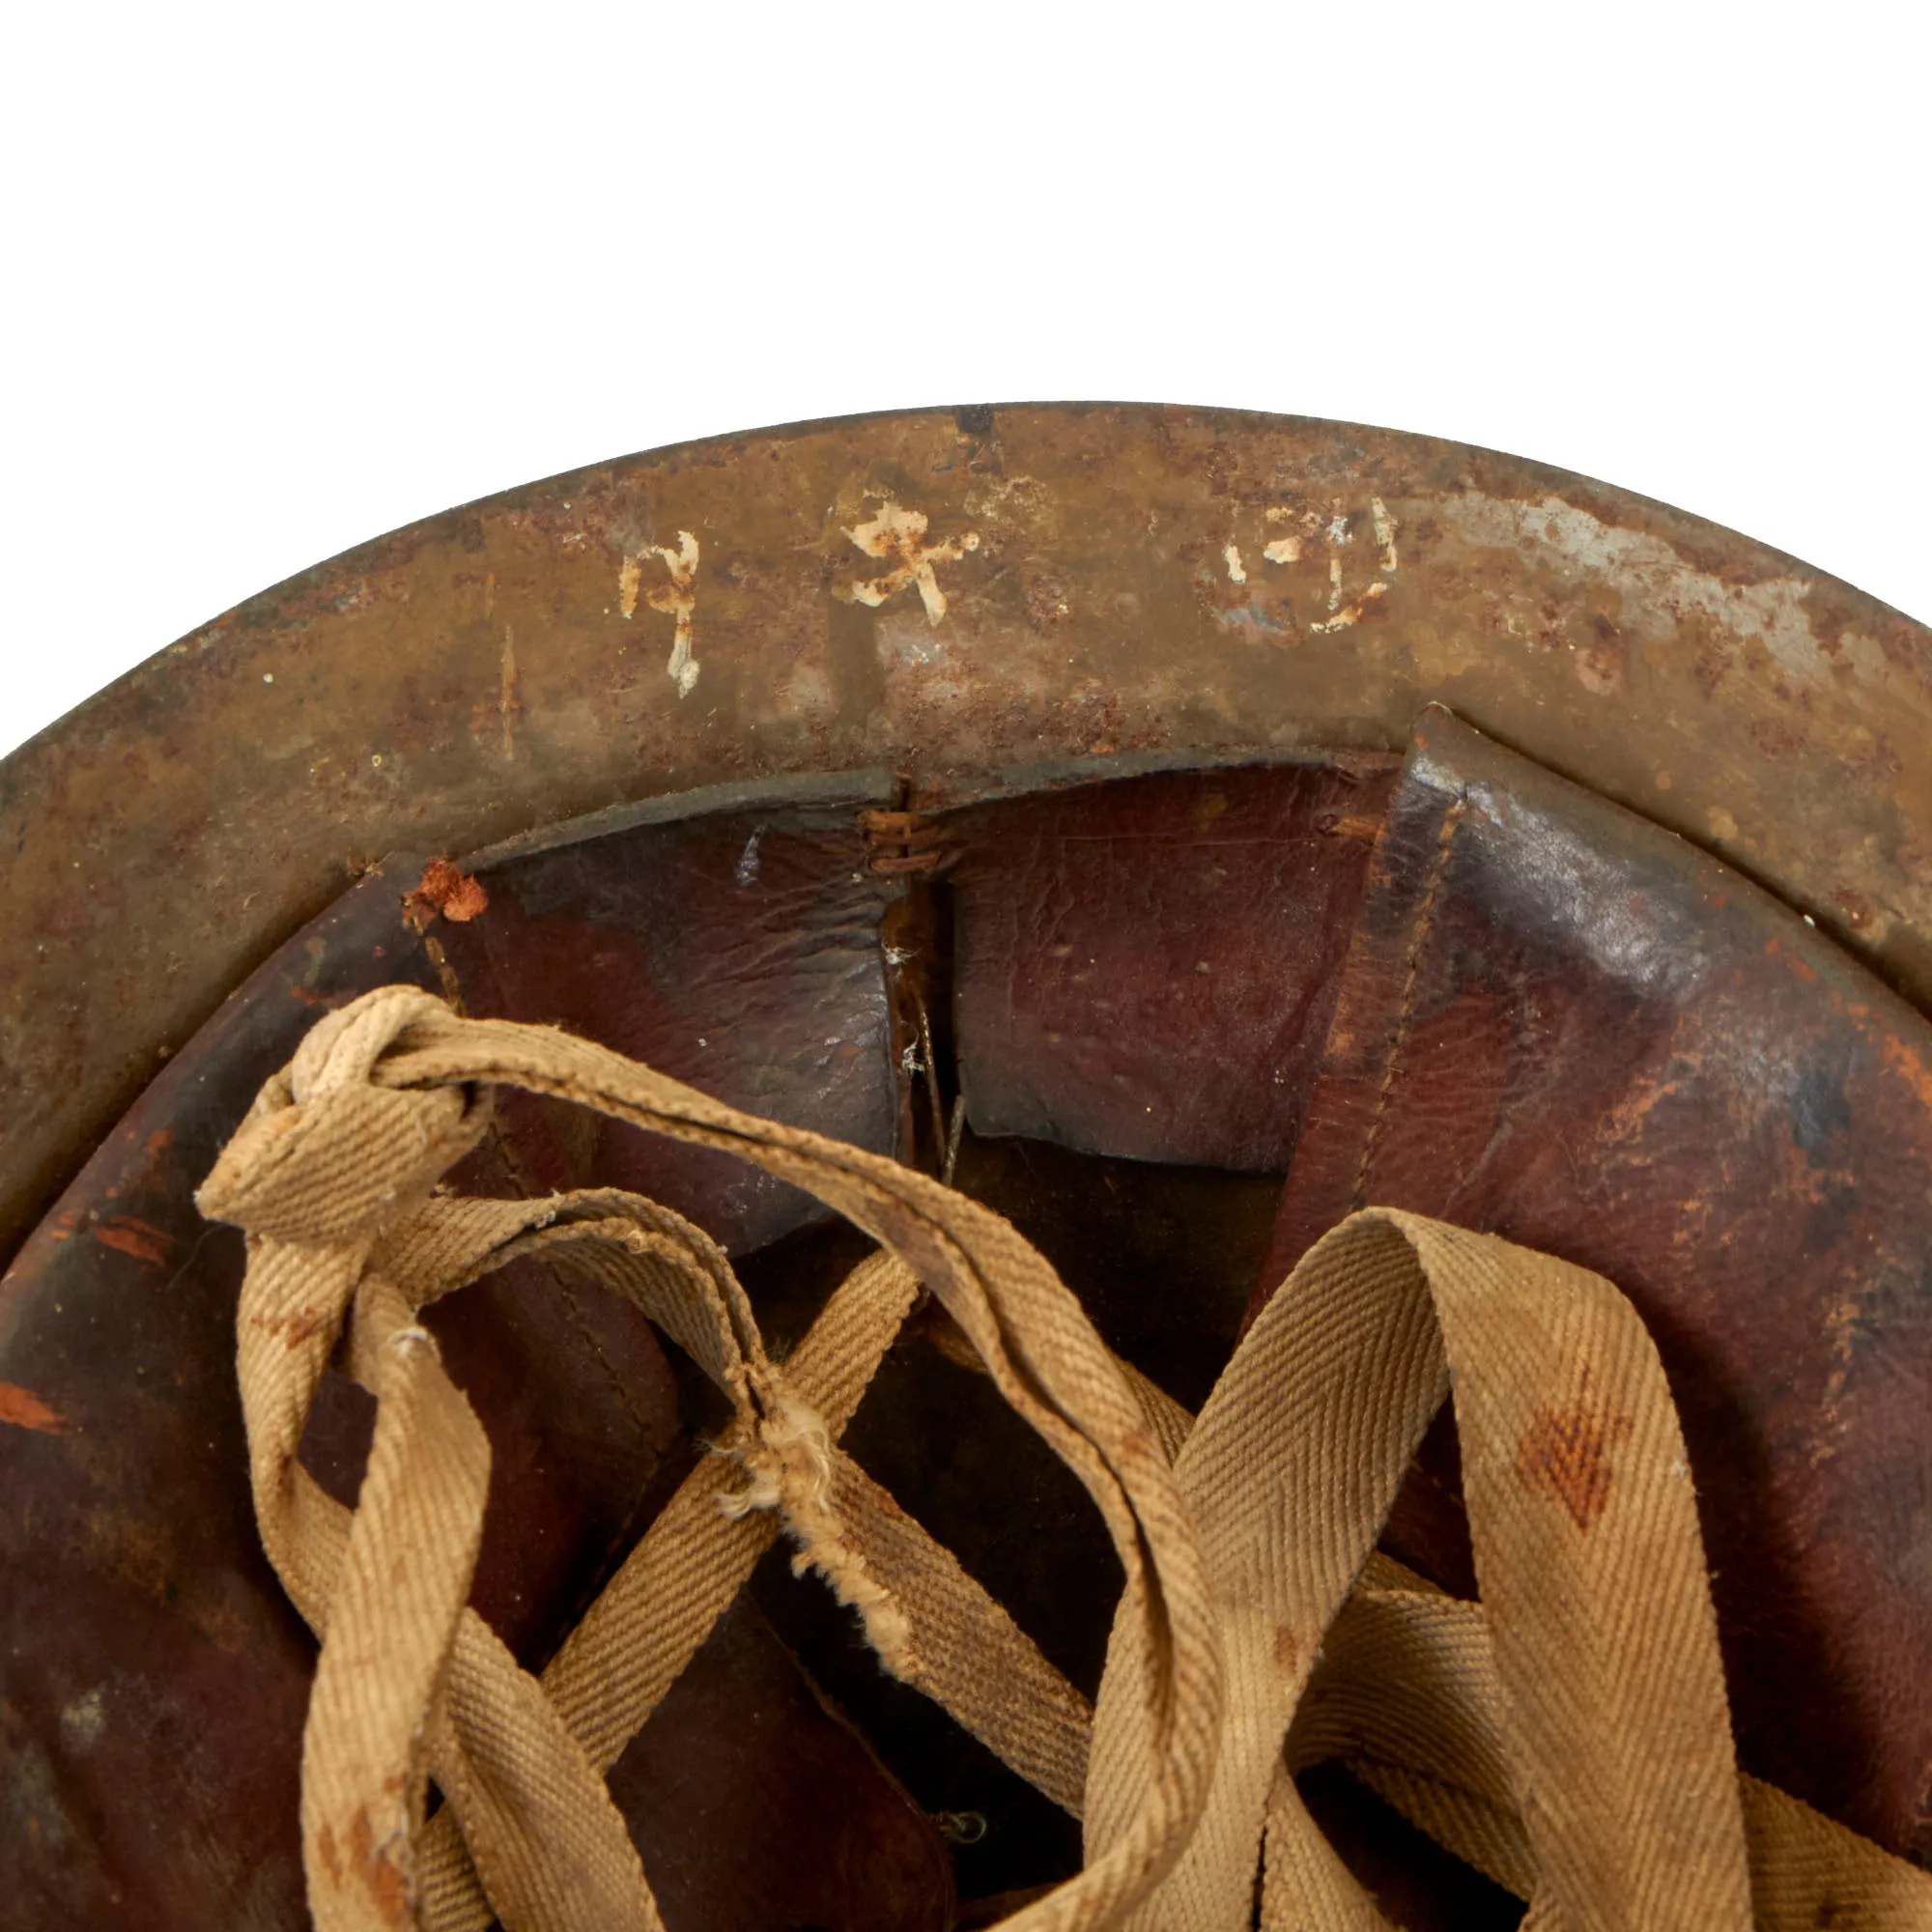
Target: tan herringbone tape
{"type": "Point", "coordinates": [1568, 1735]}
{"type": "Point", "coordinates": [339, 1155]}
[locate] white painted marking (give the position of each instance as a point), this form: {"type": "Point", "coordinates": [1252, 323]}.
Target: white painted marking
{"type": "Point", "coordinates": [898, 532]}
{"type": "Point", "coordinates": [1385, 530]}
{"type": "Point", "coordinates": [676, 596]}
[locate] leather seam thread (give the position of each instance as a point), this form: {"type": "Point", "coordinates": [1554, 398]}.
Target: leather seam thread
{"type": "Point", "coordinates": [1405, 1018]}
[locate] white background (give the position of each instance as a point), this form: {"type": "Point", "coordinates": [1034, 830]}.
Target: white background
{"type": "Point", "coordinates": [279, 278]}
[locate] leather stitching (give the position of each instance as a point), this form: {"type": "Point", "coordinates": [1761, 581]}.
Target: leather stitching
{"type": "Point", "coordinates": [1398, 1037]}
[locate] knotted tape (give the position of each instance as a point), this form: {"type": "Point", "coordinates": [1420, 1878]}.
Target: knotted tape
{"type": "Point", "coordinates": [1519, 1731]}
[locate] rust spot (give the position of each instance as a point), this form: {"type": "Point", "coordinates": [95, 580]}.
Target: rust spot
{"type": "Point", "coordinates": [324, 1847]}
{"type": "Point", "coordinates": [1712, 663]}
{"type": "Point", "coordinates": [1857, 908]}
{"type": "Point", "coordinates": [1898, 1055]}
{"type": "Point", "coordinates": [1776, 739]}
{"type": "Point", "coordinates": [135, 1238]}
{"type": "Point", "coordinates": [1874, 760]}
{"type": "Point", "coordinates": [160, 1141]}
{"type": "Point", "coordinates": [446, 890]}
{"type": "Point", "coordinates": [1565, 1453]}
{"type": "Point", "coordinates": [383, 1879]}
{"type": "Point", "coordinates": [1287, 1652]}
{"type": "Point", "coordinates": [293, 1328]}
{"type": "Point", "coordinates": [1047, 596]}
{"type": "Point", "coordinates": [1791, 959]}
{"type": "Point", "coordinates": [25, 1409]}
{"type": "Point", "coordinates": [1599, 663]}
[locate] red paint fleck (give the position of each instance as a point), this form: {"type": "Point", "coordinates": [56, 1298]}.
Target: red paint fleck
{"type": "Point", "coordinates": [25, 1408]}
{"type": "Point", "coordinates": [443, 890]}
{"type": "Point", "coordinates": [1565, 1453]}
{"type": "Point", "coordinates": [388, 1890]}
{"type": "Point", "coordinates": [1797, 965]}
{"type": "Point", "coordinates": [299, 1325]}
{"type": "Point", "coordinates": [135, 1238]}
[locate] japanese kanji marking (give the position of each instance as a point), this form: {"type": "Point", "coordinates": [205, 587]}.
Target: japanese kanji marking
{"type": "Point", "coordinates": [677, 595]}
{"type": "Point", "coordinates": [900, 533]}
{"type": "Point", "coordinates": [1299, 529]}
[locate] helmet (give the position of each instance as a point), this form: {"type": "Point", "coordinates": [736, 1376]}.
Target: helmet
{"type": "Point", "coordinates": [1181, 828]}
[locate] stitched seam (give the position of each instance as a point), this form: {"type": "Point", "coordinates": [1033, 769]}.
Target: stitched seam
{"type": "Point", "coordinates": [1405, 1018]}
{"type": "Point", "coordinates": [445, 973]}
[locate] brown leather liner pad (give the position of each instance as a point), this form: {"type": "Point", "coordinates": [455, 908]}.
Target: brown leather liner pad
{"type": "Point", "coordinates": [730, 939]}
{"type": "Point", "coordinates": [1162, 1258]}
{"type": "Point", "coordinates": [1561, 1024]}
{"type": "Point", "coordinates": [152, 1677]}
{"type": "Point", "coordinates": [1144, 968]}
{"type": "Point", "coordinates": [757, 1808]}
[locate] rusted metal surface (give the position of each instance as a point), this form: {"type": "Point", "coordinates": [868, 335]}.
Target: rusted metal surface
{"type": "Point", "coordinates": [938, 592]}
{"type": "Point", "coordinates": [932, 600]}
